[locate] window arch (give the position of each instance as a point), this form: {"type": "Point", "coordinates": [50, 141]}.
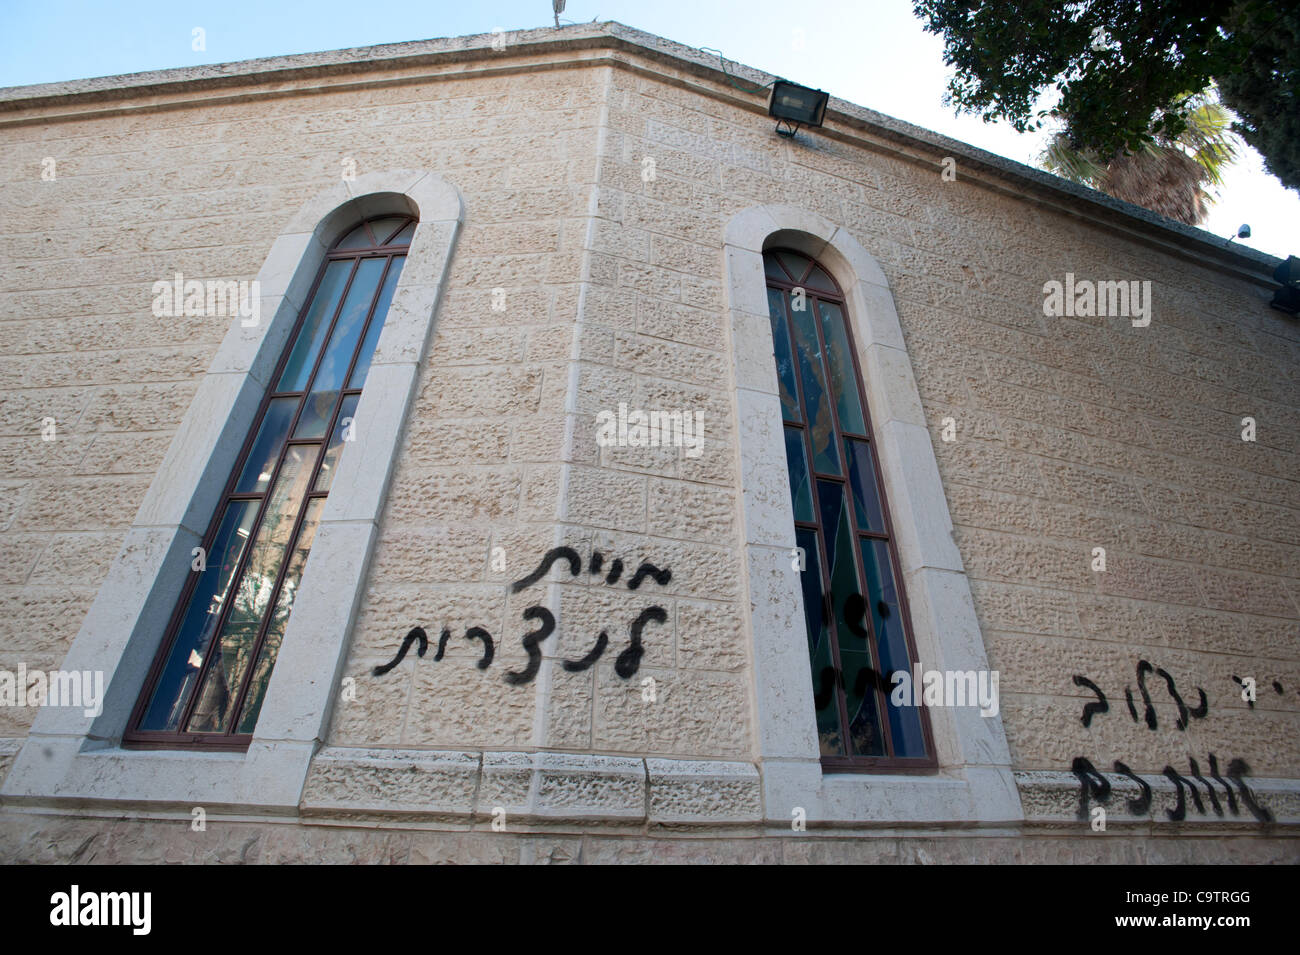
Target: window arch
{"type": "Point", "coordinates": [209, 679]}
{"type": "Point", "coordinates": [855, 606]}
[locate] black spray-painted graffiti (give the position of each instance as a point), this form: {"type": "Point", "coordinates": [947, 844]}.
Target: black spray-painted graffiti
{"type": "Point", "coordinates": [1093, 785]}
{"type": "Point", "coordinates": [628, 662]}
{"type": "Point", "coordinates": [1248, 689]}
{"type": "Point", "coordinates": [1143, 668]}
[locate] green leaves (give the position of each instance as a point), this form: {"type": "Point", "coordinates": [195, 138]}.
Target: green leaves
{"type": "Point", "coordinates": [1122, 68]}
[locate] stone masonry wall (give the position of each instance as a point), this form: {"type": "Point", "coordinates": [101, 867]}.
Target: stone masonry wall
{"type": "Point", "coordinates": [1070, 433]}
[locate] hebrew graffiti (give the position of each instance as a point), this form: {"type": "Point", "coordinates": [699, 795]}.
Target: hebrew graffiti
{"type": "Point", "coordinates": [417, 633]}
{"type": "Point", "coordinates": [1247, 685]}
{"type": "Point", "coordinates": [626, 664]}
{"type": "Point", "coordinates": [1144, 668]}
{"type": "Point", "coordinates": [1091, 709]}
{"type": "Point", "coordinates": [1093, 785]}
{"type": "Point", "coordinates": [1192, 790]}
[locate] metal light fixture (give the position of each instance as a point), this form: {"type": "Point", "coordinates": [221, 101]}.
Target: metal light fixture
{"type": "Point", "coordinates": [793, 106]}
{"type": "Point", "coordinates": [1242, 233]}
{"type": "Point", "coordinates": [1287, 298]}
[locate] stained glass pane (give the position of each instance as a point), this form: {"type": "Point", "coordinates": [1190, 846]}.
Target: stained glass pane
{"type": "Point", "coordinates": [343, 428]}
{"type": "Point", "coordinates": [784, 356]}
{"type": "Point", "coordinates": [314, 327]}
{"type": "Point", "coordinates": [266, 446]}
{"type": "Point", "coordinates": [819, 280]}
{"type": "Point", "coordinates": [795, 264]}
{"type": "Point", "coordinates": [865, 735]}
{"type": "Point", "coordinates": [214, 708]}
{"type": "Point", "coordinates": [887, 621]}
{"type": "Point", "coordinates": [865, 685]}
{"type": "Point", "coordinates": [844, 380]}
{"type": "Point", "coordinates": [797, 462]}
{"type": "Point", "coordinates": [280, 616]}
{"type": "Point", "coordinates": [358, 238]}
{"type": "Point", "coordinates": [862, 480]}
{"type": "Point", "coordinates": [197, 626]}
{"type": "Point", "coordinates": [824, 679]}
{"type": "Point", "coordinates": [382, 229]}
{"type": "Point", "coordinates": [816, 401]}
{"type": "Point", "coordinates": [362, 368]}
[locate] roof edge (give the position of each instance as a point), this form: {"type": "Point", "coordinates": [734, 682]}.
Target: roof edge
{"type": "Point", "coordinates": [586, 36]}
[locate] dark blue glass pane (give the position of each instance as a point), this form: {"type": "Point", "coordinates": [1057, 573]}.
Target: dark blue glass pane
{"type": "Point", "coordinates": [887, 620]}
{"type": "Point", "coordinates": [784, 357]}
{"type": "Point", "coordinates": [825, 700]}
{"type": "Point", "coordinates": [844, 380]}
{"type": "Point", "coordinates": [200, 620]}
{"type": "Point", "coordinates": [256, 475]}
{"type": "Point", "coordinates": [865, 735]}
{"type": "Point", "coordinates": [862, 479]}
{"type": "Point", "coordinates": [816, 400]}
{"type": "Point", "coordinates": [797, 461]}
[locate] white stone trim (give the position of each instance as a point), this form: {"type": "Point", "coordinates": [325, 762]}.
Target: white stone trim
{"type": "Point", "coordinates": [70, 756]}
{"type": "Point", "coordinates": [471, 788]}
{"type": "Point", "coordinates": [974, 783]}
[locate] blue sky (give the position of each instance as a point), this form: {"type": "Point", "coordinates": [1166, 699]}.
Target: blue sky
{"type": "Point", "coordinates": [870, 52]}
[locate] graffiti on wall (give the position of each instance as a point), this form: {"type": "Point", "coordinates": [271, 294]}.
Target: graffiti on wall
{"type": "Point", "coordinates": [1144, 669]}
{"type": "Point", "coordinates": [1094, 786]}
{"type": "Point", "coordinates": [628, 661]}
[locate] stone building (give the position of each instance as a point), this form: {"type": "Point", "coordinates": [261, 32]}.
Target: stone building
{"type": "Point", "coordinates": [501, 423]}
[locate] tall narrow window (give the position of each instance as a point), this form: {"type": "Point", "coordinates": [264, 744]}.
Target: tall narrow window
{"type": "Point", "coordinates": [209, 680]}
{"type": "Point", "coordinates": [857, 618]}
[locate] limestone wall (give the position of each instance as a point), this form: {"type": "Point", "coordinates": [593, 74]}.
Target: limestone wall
{"type": "Point", "coordinates": [589, 273]}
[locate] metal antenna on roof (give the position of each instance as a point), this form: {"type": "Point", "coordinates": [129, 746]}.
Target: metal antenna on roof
{"type": "Point", "coordinates": [558, 7]}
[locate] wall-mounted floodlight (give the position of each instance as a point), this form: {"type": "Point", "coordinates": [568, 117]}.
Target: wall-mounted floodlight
{"type": "Point", "coordinates": [1287, 298]}
{"type": "Point", "coordinates": [794, 106]}
{"type": "Point", "coordinates": [1242, 233]}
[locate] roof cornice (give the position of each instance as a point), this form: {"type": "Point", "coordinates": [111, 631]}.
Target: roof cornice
{"type": "Point", "coordinates": [991, 168]}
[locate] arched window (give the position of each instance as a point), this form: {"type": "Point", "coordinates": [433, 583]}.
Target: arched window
{"type": "Point", "coordinates": [207, 685]}
{"type": "Point", "coordinates": [858, 623]}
